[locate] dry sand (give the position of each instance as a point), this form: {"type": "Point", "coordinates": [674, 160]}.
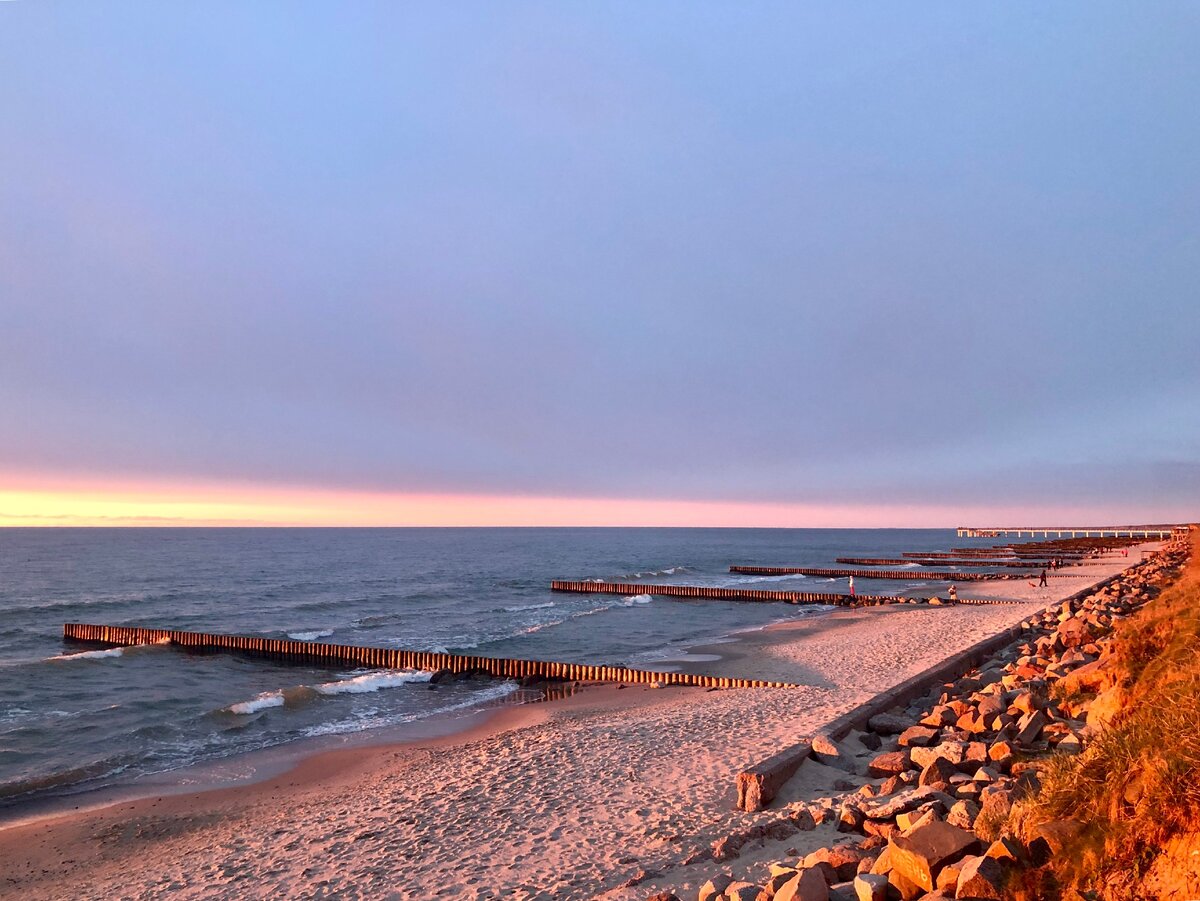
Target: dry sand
{"type": "Point", "coordinates": [563, 800]}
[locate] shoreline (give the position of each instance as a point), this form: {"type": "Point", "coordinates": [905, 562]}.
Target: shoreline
{"type": "Point", "coordinates": [656, 800]}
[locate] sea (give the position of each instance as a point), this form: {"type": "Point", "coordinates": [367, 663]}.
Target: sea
{"type": "Point", "coordinates": [73, 718]}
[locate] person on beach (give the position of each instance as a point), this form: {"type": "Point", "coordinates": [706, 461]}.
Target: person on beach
{"type": "Point", "coordinates": [953, 592]}
{"type": "Point", "coordinates": [1042, 581]}
{"type": "Point", "coordinates": [852, 586]}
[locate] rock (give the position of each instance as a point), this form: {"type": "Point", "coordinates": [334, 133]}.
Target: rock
{"type": "Point", "coordinates": [1006, 849]}
{"type": "Point", "coordinates": [962, 814]}
{"type": "Point", "coordinates": [726, 847]}
{"type": "Point", "coordinates": [880, 828]}
{"type": "Point", "coordinates": [919, 736]}
{"type": "Point", "coordinates": [850, 819]}
{"type": "Point", "coordinates": [1001, 753]}
{"type": "Point", "coordinates": [743, 891]}
{"type": "Point", "coordinates": [954, 751]}
{"type": "Point", "coordinates": [1052, 837]}
{"type": "Point", "coordinates": [947, 877]}
{"type": "Point", "coordinates": [903, 886]}
{"type": "Point", "coordinates": [919, 855]}
{"type": "Point", "coordinates": [828, 752]}
{"type": "Point", "coordinates": [715, 886]}
{"type": "Point", "coordinates": [1105, 707]}
{"type": "Point", "coordinates": [842, 860]}
{"type": "Point", "coordinates": [888, 723]}
{"type": "Point", "coordinates": [1073, 632]}
{"type": "Point", "coordinates": [870, 887]}
{"type": "Point", "coordinates": [980, 877]}
{"type": "Point", "coordinates": [664, 896]}
{"type": "Point", "coordinates": [889, 764]}
{"type": "Point", "coordinates": [1030, 727]}
{"type": "Point", "coordinates": [807, 885]}
{"type": "Point", "coordinates": [939, 771]}
{"type": "Point", "coordinates": [887, 808]}
{"type": "Point", "coordinates": [871, 741]}
{"type": "Point", "coordinates": [914, 819]}
{"type": "Point", "coordinates": [778, 880]}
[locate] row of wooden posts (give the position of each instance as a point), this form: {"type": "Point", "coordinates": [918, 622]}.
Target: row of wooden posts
{"type": "Point", "coordinates": [291, 651]}
{"type": "Point", "coordinates": [934, 561]}
{"type": "Point", "coordinates": [726, 594]}
{"type": "Point", "coordinates": [906, 574]}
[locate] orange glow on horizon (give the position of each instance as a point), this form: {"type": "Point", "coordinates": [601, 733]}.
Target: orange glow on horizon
{"type": "Point", "coordinates": [33, 501]}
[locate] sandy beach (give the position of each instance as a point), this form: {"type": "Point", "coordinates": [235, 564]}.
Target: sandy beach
{"type": "Point", "coordinates": [567, 800]}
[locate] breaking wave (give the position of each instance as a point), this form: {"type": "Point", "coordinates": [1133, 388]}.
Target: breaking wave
{"type": "Point", "coordinates": [372, 682]}
{"type": "Point", "coordinates": [310, 636]}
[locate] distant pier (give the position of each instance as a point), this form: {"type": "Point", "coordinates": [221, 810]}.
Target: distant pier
{"type": "Point", "coordinates": [927, 575]}
{"type": "Point", "coordinates": [307, 652]}
{"type": "Point", "coordinates": [1159, 531]}
{"type": "Point", "coordinates": [935, 561]}
{"type": "Point", "coordinates": [726, 594]}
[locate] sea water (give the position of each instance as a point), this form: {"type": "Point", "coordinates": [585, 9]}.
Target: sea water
{"type": "Point", "coordinates": [73, 718]}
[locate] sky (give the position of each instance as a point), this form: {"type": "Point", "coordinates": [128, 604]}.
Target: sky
{"type": "Point", "coordinates": [621, 263]}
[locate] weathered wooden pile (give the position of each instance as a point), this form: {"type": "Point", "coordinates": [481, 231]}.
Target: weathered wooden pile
{"type": "Point", "coordinates": [944, 771]}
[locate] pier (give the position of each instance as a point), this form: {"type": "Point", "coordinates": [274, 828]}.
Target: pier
{"type": "Point", "coordinates": [935, 561]}
{"type": "Point", "coordinates": [312, 653]}
{"type": "Point", "coordinates": [727, 594]}
{"type": "Point", "coordinates": [928, 575]}
{"type": "Point", "coordinates": [1159, 531]}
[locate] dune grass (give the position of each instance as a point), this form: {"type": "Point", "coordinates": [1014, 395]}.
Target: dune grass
{"type": "Point", "coordinates": [1136, 786]}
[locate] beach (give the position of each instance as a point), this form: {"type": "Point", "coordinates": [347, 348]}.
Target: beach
{"type": "Point", "coordinates": [567, 799]}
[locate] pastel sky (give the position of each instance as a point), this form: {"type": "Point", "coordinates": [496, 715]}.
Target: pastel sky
{"type": "Point", "coordinates": [606, 263]}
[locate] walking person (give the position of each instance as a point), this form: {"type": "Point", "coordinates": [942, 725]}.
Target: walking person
{"type": "Point", "coordinates": [953, 594]}
{"type": "Point", "coordinates": [1042, 581]}
{"type": "Point", "coordinates": [852, 586]}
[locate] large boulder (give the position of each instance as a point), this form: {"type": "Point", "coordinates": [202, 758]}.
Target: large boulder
{"type": "Point", "coordinates": [843, 861]}
{"type": "Point", "coordinates": [980, 877]}
{"type": "Point", "coordinates": [939, 771]}
{"type": "Point", "coordinates": [919, 855]}
{"type": "Point", "coordinates": [954, 751]}
{"type": "Point", "coordinates": [890, 764]}
{"type": "Point", "coordinates": [888, 723]}
{"type": "Point", "coordinates": [714, 887]}
{"type": "Point", "coordinates": [807, 885]}
{"type": "Point", "coordinates": [1074, 632]}
{"type": "Point", "coordinates": [870, 887]}
{"type": "Point", "coordinates": [743, 891]}
{"type": "Point", "coordinates": [917, 736]}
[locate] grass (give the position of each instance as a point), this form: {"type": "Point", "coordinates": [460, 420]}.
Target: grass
{"type": "Point", "coordinates": [1136, 786]}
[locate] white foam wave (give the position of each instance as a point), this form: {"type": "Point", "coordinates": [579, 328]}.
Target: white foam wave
{"type": "Point", "coordinates": [637, 599]}
{"type": "Point", "coordinates": [310, 636]}
{"type": "Point", "coordinates": [90, 655]}
{"type": "Point", "coordinates": [261, 702]}
{"type": "Point", "coordinates": [372, 682]}
{"type": "Point", "coordinates": [358, 724]}
{"type": "Point", "coordinates": [518, 609]}
{"type": "Point", "coordinates": [750, 580]}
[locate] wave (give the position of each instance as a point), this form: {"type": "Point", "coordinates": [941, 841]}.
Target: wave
{"type": "Point", "coordinates": [310, 636]}
{"type": "Point", "coordinates": [372, 682]}
{"type": "Point", "coordinates": [261, 702]}
{"type": "Point", "coordinates": [520, 608]}
{"type": "Point", "coordinates": [358, 724]}
{"type": "Point", "coordinates": [749, 580]}
{"type": "Point", "coordinates": [637, 599]}
{"type": "Point", "coordinates": [91, 655]}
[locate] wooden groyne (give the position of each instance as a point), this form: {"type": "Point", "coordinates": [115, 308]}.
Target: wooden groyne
{"type": "Point", "coordinates": [726, 594]}
{"type": "Point", "coordinates": [933, 561]}
{"type": "Point", "coordinates": [286, 650]}
{"type": "Point", "coordinates": [928, 575]}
